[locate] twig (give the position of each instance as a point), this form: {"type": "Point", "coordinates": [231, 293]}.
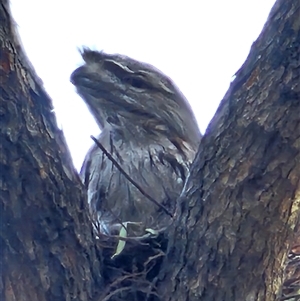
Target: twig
{"type": "Point", "coordinates": [118, 166]}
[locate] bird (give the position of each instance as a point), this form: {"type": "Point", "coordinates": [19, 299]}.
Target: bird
{"type": "Point", "coordinates": [148, 127]}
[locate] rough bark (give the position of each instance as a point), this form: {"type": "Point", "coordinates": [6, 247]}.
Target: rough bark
{"type": "Point", "coordinates": [47, 249]}
{"type": "Point", "coordinates": [237, 215]}
{"type": "Point", "coordinates": [241, 204]}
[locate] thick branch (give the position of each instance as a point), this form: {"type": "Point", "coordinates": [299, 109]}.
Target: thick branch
{"type": "Point", "coordinates": [241, 204]}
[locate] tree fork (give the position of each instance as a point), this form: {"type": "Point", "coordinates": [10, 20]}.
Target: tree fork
{"type": "Point", "coordinates": [236, 217]}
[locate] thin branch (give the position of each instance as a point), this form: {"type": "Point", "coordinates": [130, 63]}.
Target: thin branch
{"type": "Point", "coordinates": [118, 166]}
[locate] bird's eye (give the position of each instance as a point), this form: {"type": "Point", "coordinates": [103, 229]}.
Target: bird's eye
{"type": "Point", "coordinates": [136, 82]}
{"type": "Point", "coordinates": [127, 77]}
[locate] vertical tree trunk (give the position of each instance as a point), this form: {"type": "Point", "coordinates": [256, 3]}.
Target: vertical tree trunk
{"type": "Point", "coordinates": [47, 247]}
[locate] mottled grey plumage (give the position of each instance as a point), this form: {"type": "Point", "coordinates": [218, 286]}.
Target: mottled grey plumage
{"type": "Point", "coordinates": [148, 127]}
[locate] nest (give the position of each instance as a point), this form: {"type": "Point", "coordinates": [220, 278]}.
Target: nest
{"type": "Point", "coordinates": [132, 274]}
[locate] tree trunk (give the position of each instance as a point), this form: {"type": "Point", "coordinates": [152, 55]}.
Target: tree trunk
{"type": "Point", "coordinates": [47, 247]}
{"type": "Point", "coordinates": [240, 206]}
{"type": "Point", "coordinates": [236, 217]}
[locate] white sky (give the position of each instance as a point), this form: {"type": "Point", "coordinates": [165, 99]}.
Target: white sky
{"type": "Point", "coordinates": [199, 44]}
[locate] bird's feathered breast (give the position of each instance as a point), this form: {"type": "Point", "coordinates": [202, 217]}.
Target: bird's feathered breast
{"type": "Point", "coordinates": [159, 168]}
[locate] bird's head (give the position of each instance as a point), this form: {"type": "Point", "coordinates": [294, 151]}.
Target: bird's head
{"type": "Point", "coordinates": [123, 93]}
